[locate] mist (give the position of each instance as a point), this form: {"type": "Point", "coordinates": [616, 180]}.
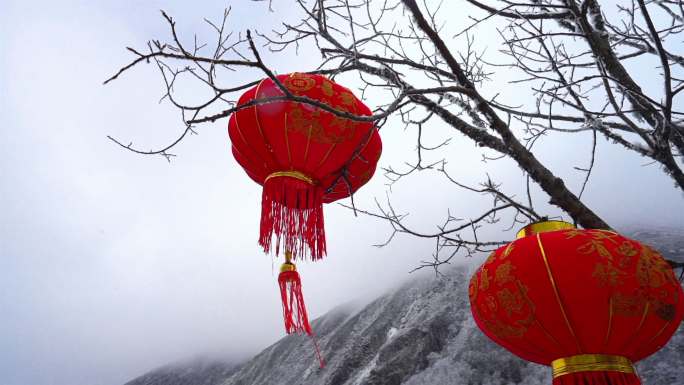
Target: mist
{"type": "Point", "coordinates": [112, 264]}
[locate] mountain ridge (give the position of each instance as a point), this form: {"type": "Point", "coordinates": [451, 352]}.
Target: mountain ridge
{"type": "Point", "coordinates": [418, 333]}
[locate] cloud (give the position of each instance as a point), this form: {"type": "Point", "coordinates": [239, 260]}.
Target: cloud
{"type": "Point", "coordinates": [112, 263]}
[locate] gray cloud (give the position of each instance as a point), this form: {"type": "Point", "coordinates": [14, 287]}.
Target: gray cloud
{"type": "Point", "coordinates": [111, 263]}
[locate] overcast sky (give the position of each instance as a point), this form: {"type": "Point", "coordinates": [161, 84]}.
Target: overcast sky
{"type": "Point", "coordinates": [112, 264]}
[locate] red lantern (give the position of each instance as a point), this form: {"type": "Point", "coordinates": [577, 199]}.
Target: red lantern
{"type": "Point", "coordinates": [303, 156]}
{"type": "Point", "coordinates": [589, 303]}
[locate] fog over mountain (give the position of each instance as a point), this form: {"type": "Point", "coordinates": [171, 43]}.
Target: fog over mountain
{"type": "Point", "coordinates": [113, 264]}
{"type": "Point", "coordinates": [421, 333]}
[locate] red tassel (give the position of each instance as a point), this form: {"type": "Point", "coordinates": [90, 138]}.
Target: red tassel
{"type": "Point", "coordinates": [294, 311]}
{"type": "Point", "coordinates": [597, 378]}
{"type": "Point", "coordinates": [292, 213]}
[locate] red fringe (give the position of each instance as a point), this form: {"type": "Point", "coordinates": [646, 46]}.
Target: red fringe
{"type": "Point", "coordinates": [294, 311]}
{"type": "Point", "coordinates": [292, 213]}
{"type": "Point", "coordinates": [597, 378]}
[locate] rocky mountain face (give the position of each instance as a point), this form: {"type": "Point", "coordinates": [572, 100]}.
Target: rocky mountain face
{"type": "Point", "coordinates": [421, 333]}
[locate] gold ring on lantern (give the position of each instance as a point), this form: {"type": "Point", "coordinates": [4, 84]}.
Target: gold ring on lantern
{"type": "Point", "coordinates": [292, 174]}
{"type": "Point", "coordinates": [591, 363]}
{"type": "Point", "coordinates": [543, 227]}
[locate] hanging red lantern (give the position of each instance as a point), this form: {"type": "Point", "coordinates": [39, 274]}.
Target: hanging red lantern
{"type": "Point", "coordinates": [588, 303]}
{"type": "Point", "coordinates": [303, 156]}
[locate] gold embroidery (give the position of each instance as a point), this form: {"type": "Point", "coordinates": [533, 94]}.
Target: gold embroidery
{"type": "Point", "coordinates": [510, 302]}
{"type": "Point", "coordinates": [595, 246]}
{"type": "Point", "coordinates": [603, 235]}
{"type": "Point", "coordinates": [574, 233]}
{"type": "Point", "coordinates": [347, 98]}
{"type": "Point", "coordinates": [628, 305]}
{"type": "Point", "coordinates": [652, 270]}
{"type": "Point", "coordinates": [307, 121]}
{"type": "Point", "coordinates": [472, 289]}
{"type": "Point", "coordinates": [327, 88]}
{"type": "Point", "coordinates": [503, 273]}
{"type": "Point", "coordinates": [627, 249]}
{"type": "Point", "coordinates": [510, 299]}
{"type": "Point", "coordinates": [299, 83]}
{"type": "Point", "coordinates": [508, 250]}
{"type": "Point", "coordinates": [607, 275]}
{"type": "Point", "coordinates": [484, 279]}
{"type": "Point", "coordinates": [491, 303]}
{"type": "Point", "coordinates": [598, 235]}
{"type": "Point", "coordinates": [504, 330]}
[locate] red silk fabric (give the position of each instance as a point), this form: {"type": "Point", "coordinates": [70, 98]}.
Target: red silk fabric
{"type": "Point", "coordinates": [568, 292]}
{"type": "Point", "coordinates": [338, 155]}
{"type": "Point", "coordinates": [286, 135]}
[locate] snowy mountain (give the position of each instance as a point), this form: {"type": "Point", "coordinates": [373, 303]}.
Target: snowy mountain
{"type": "Point", "coordinates": [199, 371]}
{"type": "Point", "coordinates": [420, 333]}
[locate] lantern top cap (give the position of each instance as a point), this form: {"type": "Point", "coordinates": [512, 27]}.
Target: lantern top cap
{"type": "Point", "coordinates": [543, 227]}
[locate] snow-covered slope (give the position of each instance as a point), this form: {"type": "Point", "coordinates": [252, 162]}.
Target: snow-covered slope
{"type": "Point", "coordinates": [420, 333]}
{"type": "Point", "coordinates": [199, 371]}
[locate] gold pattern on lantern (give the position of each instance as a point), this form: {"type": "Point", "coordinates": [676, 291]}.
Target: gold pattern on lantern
{"type": "Point", "coordinates": [507, 330]}
{"type": "Point", "coordinates": [491, 303]}
{"type": "Point", "coordinates": [595, 246]}
{"type": "Point", "coordinates": [508, 250]}
{"type": "Point", "coordinates": [484, 279]}
{"type": "Point", "coordinates": [652, 270]}
{"type": "Point", "coordinates": [298, 83]}
{"type": "Point", "coordinates": [503, 273]}
{"type": "Point", "coordinates": [472, 289]}
{"type": "Point", "coordinates": [607, 274]}
{"type": "Point", "coordinates": [327, 88]}
{"type": "Point", "coordinates": [505, 309]}
{"type": "Point", "coordinates": [347, 98]}
{"type": "Point", "coordinates": [308, 122]}
{"type": "Point", "coordinates": [628, 305]}
{"type": "Point", "coordinates": [627, 249]}
{"type": "Point", "coordinates": [511, 302]}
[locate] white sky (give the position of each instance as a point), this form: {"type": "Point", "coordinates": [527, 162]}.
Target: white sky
{"type": "Point", "coordinates": [112, 263]}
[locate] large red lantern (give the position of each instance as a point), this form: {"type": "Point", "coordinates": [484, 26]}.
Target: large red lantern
{"type": "Point", "coordinates": [588, 303]}
{"type": "Point", "coordinates": [303, 156]}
